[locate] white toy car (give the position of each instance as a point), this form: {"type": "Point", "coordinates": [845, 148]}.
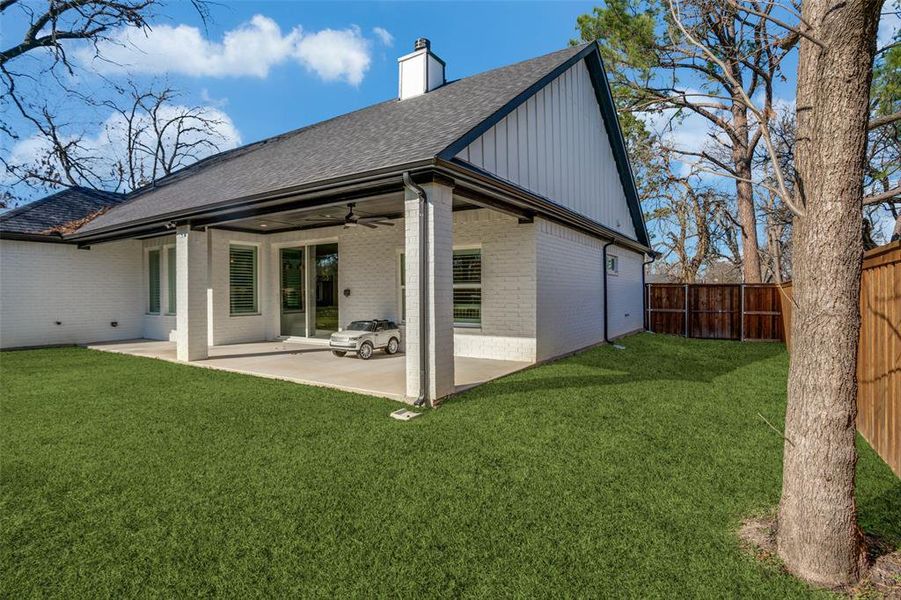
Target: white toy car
{"type": "Point", "coordinates": [364, 337]}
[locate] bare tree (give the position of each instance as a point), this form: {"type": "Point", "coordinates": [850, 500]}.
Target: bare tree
{"type": "Point", "coordinates": [883, 171]}
{"type": "Point", "coordinates": [148, 136]}
{"type": "Point", "coordinates": [28, 87]}
{"type": "Point", "coordinates": [161, 137]}
{"type": "Point", "coordinates": [647, 66]}
{"type": "Point", "coordinates": [685, 215]}
{"type": "Point", "coordinates": [777, 216]}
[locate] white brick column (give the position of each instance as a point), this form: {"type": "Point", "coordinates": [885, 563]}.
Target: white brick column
{"type": "Point", "coordinates": [191, 281]}
{"type": "Point", "coordinates": [438, 280]}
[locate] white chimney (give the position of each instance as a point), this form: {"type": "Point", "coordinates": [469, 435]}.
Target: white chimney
{"type": "Point", "coordinates": [420, 71]}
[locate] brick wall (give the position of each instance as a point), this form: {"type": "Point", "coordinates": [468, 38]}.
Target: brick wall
{"type": "Point", "coordinates": [85, 290]}
{"type": "Point", "coordinates": [228, 329]}
{"type": "Point", "coordinates": [625, 293]}
{"type": "Point", "coordinates": [570, 290]}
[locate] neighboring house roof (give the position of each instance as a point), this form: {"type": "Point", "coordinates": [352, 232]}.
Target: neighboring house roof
{"type": "Point", "coordinates": [57, 214]}
{"type": "Point", "coordinates": [392, 134]}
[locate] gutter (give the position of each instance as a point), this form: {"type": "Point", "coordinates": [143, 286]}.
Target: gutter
{"type": "Point", "coordinates": [47, 238]}
{"type": "Point", "coordinates": [423, 288]}
{"type": "Point", "coordinates": [644, 290]}
{"type": "Point", "coordinates": [606, 307]}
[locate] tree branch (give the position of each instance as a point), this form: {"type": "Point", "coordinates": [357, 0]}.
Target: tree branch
{"type": "Point", "coordinates": [883, 121]}
{"type": "Point", "coordinates": [893, 195]}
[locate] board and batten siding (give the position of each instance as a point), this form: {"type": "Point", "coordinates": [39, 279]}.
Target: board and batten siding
{"type": "Point", "coordinates": [556, 145]}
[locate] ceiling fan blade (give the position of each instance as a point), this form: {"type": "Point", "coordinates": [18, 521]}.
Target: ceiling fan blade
{"type": "Point", "coordinates": [369, 225]}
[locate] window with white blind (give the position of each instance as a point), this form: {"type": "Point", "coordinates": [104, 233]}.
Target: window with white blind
{"type": "Point", "coordinates": [170, 276]}
{"type": "Point", "coordinates": [242, 279]}
{"type": "Point", "coordinates": [467, 287]}
{"type": "Point", "coordinates": [153, 281]}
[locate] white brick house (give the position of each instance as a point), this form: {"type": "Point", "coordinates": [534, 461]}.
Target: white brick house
{"type": "Point", "coordinates": [532, 247]}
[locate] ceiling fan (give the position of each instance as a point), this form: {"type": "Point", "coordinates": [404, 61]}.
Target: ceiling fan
{"type": "Point", "coordinates": [351, 219]}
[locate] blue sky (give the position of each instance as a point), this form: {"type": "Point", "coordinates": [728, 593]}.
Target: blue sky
{"type": "Point", "coordinates": [470, 37]}
{"type": "Point", "coordinates": [269, 67]}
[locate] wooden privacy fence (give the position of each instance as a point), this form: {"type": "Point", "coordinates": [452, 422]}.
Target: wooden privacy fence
{"type": "Point", "coordinates": [879, 352]}
{"type": "Point", "coordinates": [715, 311]}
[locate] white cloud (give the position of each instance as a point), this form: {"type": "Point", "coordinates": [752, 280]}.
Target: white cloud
{"type": "Point", "coordinates": [384, 35]}
{"type": "Point", "coordinates": [335, 54]}
{"type": "Point", "coordinates": [250, 50]}
{"type": "Point", "coordinates": [107, 146]}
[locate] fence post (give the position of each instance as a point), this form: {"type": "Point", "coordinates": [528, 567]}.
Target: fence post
{"type": "Point", "coordinates": [686, 310]}
{"type": "Point", "coordinates": [741, 336]}
{"type": "Point", "coordinates": [647, 291]}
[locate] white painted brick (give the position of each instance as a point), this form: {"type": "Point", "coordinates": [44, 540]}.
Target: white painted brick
{"type": "Point", "coordinates": [625, 293]}
{"type": "Point", "coordinates": [570, 290]}
{"type": "Point", "coordinates": [85, 290]}
{"type": "Point", "coordinates": [192, 277]}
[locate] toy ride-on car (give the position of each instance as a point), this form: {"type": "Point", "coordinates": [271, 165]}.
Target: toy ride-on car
{"type": "Point", "coordinates": [364, 337]}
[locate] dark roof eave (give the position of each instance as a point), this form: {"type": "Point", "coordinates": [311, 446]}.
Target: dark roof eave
{"type": "Point", "coordinates": [455, 169]}
{"type": "Point", "coordinates": [33, 237]}
{"type": "Point", "coordinates": [323, 188]}
{"type": "Point", "coordinates": [460, 170]}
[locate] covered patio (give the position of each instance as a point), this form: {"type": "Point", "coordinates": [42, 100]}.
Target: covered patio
{"type": "Point", "coordinates": [312, 363]}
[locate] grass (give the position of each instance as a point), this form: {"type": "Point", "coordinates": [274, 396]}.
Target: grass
{"type": "Point", "coordinates": [611, 473]}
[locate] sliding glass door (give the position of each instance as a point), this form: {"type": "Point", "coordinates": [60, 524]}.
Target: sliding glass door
{"type": "Point", "coordinates": [326, 288]}
{"type": "Point", "coordinates": [293, 297]}
{"type": "Point", "coordinates": [309, 290]}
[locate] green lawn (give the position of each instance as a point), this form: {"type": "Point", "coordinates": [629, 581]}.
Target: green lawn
{"type": "Point", "coordinates": [616, 473]}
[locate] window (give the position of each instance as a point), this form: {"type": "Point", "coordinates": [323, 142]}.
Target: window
{"type": "Point", "coordinates": [467, 287]}
{"type": "Point", "coordinates": [612, 264]}
{"type": "Point", "coordinates": [170, 266]}
{"type": "Point", "coordinates": [242, 279]}
{"type": "Point", "coordinates": [153, 281]}
{"type": "Point", "coordinates": [292, 279]}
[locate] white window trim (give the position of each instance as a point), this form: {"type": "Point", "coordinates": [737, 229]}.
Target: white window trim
{"type": "Point", "coordinates": [401, 287]}
{"type": "Point", "coordinates": [147, 252]}
{"type": "Point", "coordinates": [259, 272]}
{"type": "Point", "coordinates": [615, 270]}
{"type": "Point", "coordinates": [164, 275]}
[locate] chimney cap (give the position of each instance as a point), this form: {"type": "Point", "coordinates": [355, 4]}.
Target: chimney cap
{"type": "Point", "coordinates": [421, 43]}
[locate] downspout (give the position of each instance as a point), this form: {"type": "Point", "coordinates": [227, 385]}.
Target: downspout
{"type": "Point", "coordinates": [644, 290]}
{"type": "Point", "coordinates": [423, 288]}
{"type": "Point", "coordinates": [606, 309]}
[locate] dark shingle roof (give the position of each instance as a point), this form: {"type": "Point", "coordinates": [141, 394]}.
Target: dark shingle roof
{"type": "Point", "coordinates": [383, 135]}
{"type": "Point", "coordinates": [57, 211]}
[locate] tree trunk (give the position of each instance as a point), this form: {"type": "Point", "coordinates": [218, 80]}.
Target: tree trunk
{"type": "Point", "coordinates": [818, 538]}
{"type": "Point", "coordinates": [744, 193]}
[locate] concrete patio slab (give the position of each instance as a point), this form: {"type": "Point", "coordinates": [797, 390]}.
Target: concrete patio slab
{"type": "Point", "coordinates": [312, 363]}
